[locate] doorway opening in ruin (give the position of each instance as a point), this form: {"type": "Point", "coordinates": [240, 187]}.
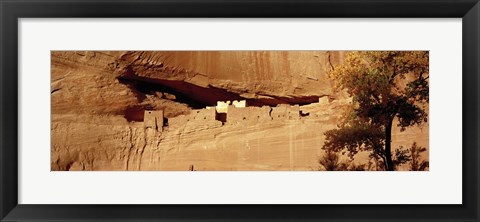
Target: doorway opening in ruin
{"type": "Point", "coordinates": [222, 117]}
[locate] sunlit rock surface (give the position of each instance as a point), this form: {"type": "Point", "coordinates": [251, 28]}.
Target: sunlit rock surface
{"type": "Point", "coordinates": [98, 103]}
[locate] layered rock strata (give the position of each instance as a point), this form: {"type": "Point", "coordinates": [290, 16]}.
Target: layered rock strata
{"type": "Point", "coordinates": [99, 99]}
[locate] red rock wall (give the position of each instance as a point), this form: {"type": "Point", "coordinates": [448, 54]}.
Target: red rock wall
{"type": "Point", "coordinates": [92, 131]}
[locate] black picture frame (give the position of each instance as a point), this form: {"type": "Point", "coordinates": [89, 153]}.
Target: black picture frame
{"type": "Point", "coordinates": [11, 11]}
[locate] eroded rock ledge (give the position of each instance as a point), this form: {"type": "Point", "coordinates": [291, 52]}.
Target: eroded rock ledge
{"type": "Point", "coordinates": [99, 99]}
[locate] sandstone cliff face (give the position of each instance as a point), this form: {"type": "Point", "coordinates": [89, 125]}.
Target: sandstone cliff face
{"type": "Point", "coordinates": [251, 74]}
{"type": "Point", "coordinates": [99, 98]}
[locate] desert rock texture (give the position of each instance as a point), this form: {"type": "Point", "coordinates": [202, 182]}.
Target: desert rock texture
{"type": "Point", "coordinates": [197, 110]}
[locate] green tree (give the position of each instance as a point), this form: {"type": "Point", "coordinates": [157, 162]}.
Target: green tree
{"type": "Point", "coordinates": [384, 86]}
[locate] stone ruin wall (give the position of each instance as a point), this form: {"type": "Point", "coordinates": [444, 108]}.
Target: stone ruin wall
{"type": "Point", "coordinates": [89, 131]}
{"type": "Point", "coordinates": [249, 115]}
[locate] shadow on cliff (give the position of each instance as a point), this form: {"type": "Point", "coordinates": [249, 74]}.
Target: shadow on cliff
{"type": "Point", "coordinates": [196, 97]}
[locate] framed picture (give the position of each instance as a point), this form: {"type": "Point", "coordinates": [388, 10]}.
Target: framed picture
{"type": "Point", "coordinates": [226, 110]}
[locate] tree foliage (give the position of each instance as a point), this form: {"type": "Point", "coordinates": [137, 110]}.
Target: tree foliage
{"type": "Point", "coordinates": [331, 162]}
{"type": "Point", "coordinates": [416, 162]}
{"type": "Point", "coordinates": [383, 85]}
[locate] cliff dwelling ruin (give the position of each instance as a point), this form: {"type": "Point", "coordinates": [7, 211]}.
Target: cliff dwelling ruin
{"type": "Point", "coordinates": [199, 111]}
{"type": "Point", "coordinates": [231, 112]}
